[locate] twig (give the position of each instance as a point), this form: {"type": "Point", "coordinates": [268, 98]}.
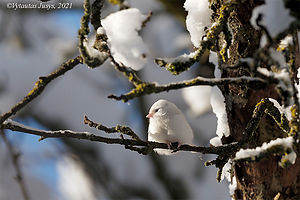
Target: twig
{"type": "Point", "coordinates": [40, 86]}
{"type": "Point", "coordinates": [96, 14]}
{"type": "Point", "coordinates": [91, 61]}
{"type": "Point", "coordinates": [117, 129]}
{"type": "Point", "coordinates": [149, 88]}
{"type": "Point", "coordinates": [15, 160]}
{"type": "Point", "coordinates": [148, 18]}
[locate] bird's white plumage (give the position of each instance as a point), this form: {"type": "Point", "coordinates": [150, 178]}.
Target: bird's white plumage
{"type": "Point", "coordinates": [168, 125]}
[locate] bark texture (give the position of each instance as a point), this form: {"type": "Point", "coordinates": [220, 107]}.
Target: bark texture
{"type": "Point", "coordinates": [263, 179]}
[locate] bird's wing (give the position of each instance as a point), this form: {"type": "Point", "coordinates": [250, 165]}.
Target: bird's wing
{"type": "Point", "coordinates": [180, 129]}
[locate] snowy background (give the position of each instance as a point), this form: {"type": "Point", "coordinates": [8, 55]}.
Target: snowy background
{"type": "Point", "coordinates": [34, 42]}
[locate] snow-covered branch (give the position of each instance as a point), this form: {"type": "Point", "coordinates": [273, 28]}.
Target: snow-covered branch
{"type": "Point", "coordinates": [184, 62]}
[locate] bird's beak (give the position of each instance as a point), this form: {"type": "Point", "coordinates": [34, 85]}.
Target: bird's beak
{"type": "Point", "coordinates": [149, 115]}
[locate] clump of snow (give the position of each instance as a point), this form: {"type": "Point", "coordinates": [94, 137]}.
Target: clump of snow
{"type": "Point", "coordinates": [198, 99]}
{"type": "Point", "coordinates": [100, 31]}
{"type": "Point", "coordinates": [213, 58]}
{"type": "Point", "coordinates": [226, 173]}
{"type": "Point", "coordinates": [285, 111]}
{"type": "Point", "coordinates": [180, 59]}
{"type": "Point", "coordinates": [95, 53]}
{"type": "Point", "coordinates": [232, 186]}
{"type": "Point", "coordinates": [226, 170]}
{"type": "Point", "coordinates": [217, 101]}
{"type": "Point", "coordinates": [286, 143]}
{"type": "Point", "coordinates": [73, 181]}
{"type": "Point", "coordinates": [218, 105]}
{"type": "Point", "coordinates": [126, 46]}
{"type": "Point", "coordinates": [197, 19]}
{"type": "Point", "coordinates": [285, 42]}
{"type": "Point", "coordinates": [216, 141]}
{"type": "Point", "coordinates": [276, 17]}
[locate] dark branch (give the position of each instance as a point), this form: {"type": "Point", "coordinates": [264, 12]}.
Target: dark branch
{"type": "Point", "coordinates": [117, 129]}
{"type": "Point", "coordinates": [14, 126]}
{"type": "Point", "coordinates": [149, 88]}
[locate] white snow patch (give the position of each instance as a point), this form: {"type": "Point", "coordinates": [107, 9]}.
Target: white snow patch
{"type": "Point", "coordinates": [126, 46]}
{"type": "Point", "coordinates": [213, 58]}
{"type": "Point", "coordinates": [232, 186]}
{"type": "Point", "coordinates": [216, 141]}
{"type": "Point", "coordinates": [285, 42]}
{"type": "Point", "coordinates": [182, 58]}
{"type": "Point", "coordinates": [287, 143]}
{"type": "Point", "coordinates": [285, 111]}
{"type": "Point", "coordinates": [95, 53]}
{"type": "Point", "coordinates": [197, 19]}
{"type": "Point", "coordinates": [217, 101]}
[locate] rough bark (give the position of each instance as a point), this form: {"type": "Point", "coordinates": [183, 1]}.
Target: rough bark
{"type": "Point", "coordinates": [263, 179]}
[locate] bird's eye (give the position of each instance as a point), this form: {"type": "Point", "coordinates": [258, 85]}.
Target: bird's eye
{"type": "Point", "coordinates": [156, 110]}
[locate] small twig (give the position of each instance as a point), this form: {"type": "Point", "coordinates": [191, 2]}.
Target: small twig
{"type": "Point", "coordinates": [15, 160]}
{"type": "Point", "coordinates": [127, 72]}
{"type": "Point", "coordinates": [149, 88]}
{"type": "Point", "coordinates": [96, 13]}
{"type": "Point", "coordinates": [147, 19]}
{"type": "Point", "coordinates": [83, 32]}
{"type": "Point", "coordinates": [40, 86]}
{"type": "Point", "coordinates": [117, 129]}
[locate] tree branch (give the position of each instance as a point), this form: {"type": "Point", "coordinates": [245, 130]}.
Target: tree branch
{"type": "Point", "coordinates": [40, 86]}
{"type": "Point", "coordinates": [15, 126]}
{"type": "Point", "coordinates": [178, 65]}
{"type": "Point", "coordinates": [144, 88]}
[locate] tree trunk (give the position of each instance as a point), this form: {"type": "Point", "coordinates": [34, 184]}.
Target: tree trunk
{"type": "Point", "coordinates": [263, 179]}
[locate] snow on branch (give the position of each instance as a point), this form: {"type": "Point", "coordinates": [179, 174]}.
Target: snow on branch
{"type": "Point", "coordinates": [40, 86]}
{"type": "Point", "coordinates": [91, 56]}
{"type": "Point", "coordinates": [184, 62]}
{"type": "Point", "coordinates": [281, 146]}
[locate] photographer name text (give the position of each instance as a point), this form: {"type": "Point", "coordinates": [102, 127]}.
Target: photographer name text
{"type": "Point", "coordinates": [46, 6]}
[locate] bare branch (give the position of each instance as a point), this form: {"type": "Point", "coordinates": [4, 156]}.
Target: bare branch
{"type": "Point", "coordinates": [40, 86]}
{"type": "Point", "coordinates": [144, 88]}
{"type": "Point", "coordinates": [117, 129]}
{"type": "Point", "coordinates": [96, 13]}
{"type": "Point", "coordinates": [15, 161]}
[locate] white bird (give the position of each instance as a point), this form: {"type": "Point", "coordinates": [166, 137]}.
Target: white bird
{"type": "Point", "coordinates": [168, 125]}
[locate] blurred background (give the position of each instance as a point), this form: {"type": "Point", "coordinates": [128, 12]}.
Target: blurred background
{"type": "Point", "coordinates": [33, 43]}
